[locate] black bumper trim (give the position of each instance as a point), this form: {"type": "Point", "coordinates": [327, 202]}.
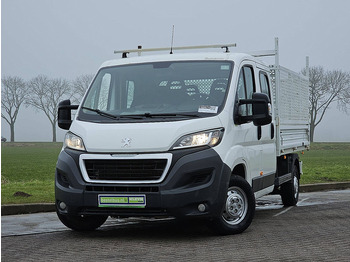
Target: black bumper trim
{"type": "Point", "coordinates": [196, 177]}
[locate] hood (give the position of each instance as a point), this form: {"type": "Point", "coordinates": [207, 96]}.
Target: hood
{"type": "Point", "coordinates": [138, 137]}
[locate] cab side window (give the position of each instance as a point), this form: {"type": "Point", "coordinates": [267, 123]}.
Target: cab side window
{"type": "Point", "coordinates": [245, 89]}
{"type": "Point", "coordinates": [264, 84]}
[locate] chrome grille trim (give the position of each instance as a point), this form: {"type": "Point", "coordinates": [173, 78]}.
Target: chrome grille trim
{"type": "Point", "coordinates": [130, 157]}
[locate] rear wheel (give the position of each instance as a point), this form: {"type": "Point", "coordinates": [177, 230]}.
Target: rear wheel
{"type": "Point", "coordinates": [238, 210]}
{"type": "Point", "coordinates": [82, 223]}
{"type": "Point", "coordinates": [290, 190]}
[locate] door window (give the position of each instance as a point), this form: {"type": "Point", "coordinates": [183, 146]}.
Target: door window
{"type": "Point", "coordinates": [264, 84]}
{"type": "Point", "coordinates": [245, 89]}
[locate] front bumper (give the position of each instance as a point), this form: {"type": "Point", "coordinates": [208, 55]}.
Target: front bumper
{"type": "Point", "coordinates": [195, 177]}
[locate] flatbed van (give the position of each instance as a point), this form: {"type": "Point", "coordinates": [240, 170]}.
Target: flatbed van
{"type": "Point", "coordinates": [191, 135]}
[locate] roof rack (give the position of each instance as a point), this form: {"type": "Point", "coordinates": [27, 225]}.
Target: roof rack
{"type": "Point", "coordinates": [139, 49]}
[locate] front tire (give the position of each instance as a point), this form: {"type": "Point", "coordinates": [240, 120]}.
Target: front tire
{"type": "Point", "coordinates": [238, 210]}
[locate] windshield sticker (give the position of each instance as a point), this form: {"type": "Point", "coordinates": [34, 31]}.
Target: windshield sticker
{"type": "Point", "coordinates": [208, 109]}
{"type": "Point", "coordinates": [225, 67]}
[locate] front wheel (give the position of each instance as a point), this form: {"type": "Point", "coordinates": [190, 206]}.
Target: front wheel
{"type": "Point", "coordinates": [238, 210]}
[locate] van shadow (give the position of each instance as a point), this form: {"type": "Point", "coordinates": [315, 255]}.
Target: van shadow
{"type": "Point", "coordinates": [150, 229]}
{"type": "Point", "coordinates": [171, 228]}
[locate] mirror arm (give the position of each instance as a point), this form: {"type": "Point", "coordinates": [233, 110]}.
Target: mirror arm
{"type": "Point", "coordinates": [251, 101]}
{"type": "Point", "coordinates": [72, 107]}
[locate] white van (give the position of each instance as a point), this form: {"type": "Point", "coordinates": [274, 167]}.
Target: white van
{"type": "Point", "coordinates": [182, 135]}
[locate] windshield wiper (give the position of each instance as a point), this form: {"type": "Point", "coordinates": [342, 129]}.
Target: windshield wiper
{"type": "Point", "coordinates": [149, 115]}
{"type": "Point", "coordinates": [139, 116]}
{"type": "Point", "coordinates": [117, 117]}
{"type": "Point", "coordinates": [101, 113]}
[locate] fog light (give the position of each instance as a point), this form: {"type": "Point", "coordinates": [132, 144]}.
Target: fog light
{"type": "Point", "coordinates": [201, 207]}
{"type": "Point", "coordinates": [62, 205]}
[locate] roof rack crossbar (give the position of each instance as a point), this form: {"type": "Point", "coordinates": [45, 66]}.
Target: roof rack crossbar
{"type": "Point", "coordinates": [139, 50]}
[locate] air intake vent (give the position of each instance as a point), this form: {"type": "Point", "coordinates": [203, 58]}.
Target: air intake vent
{"type": "Point", "coordinates": [125, 170]}
{"type": "Point", "coordinates": [120, 189]}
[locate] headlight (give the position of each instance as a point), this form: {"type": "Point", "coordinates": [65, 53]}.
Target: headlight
{"type": "Point", "coordinates": [210, 138]}
{"type": "Point", "coordinates": [74, 142]}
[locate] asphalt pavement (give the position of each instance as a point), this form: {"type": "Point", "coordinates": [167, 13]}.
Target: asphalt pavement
{"type": "Point", "coordinates": [26, 224]}
{"type": "Point", "coordinates": [317, 229]}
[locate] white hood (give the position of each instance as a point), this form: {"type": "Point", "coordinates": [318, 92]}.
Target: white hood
{"type": "Point", "coordinates": [138, 137]}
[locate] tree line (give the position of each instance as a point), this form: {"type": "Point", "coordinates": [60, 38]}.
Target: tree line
{"type": "Point", "coordinates": [327, 87]}
{"type": "Point", "coordinates": [42, 93]}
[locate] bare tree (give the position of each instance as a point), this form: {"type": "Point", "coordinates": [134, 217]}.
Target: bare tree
{"type": "Point", "coordinates": [326, 88]}
{"type": "Point", "coordinates": [45, 94]}
{"type": "Point", "coordinates": [13, 94]}
{"type": "Point", "coordinates": [80, 85]}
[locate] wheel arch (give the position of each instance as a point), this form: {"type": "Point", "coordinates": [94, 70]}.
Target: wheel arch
{"type": "Point", "coordinates": [239, 170]}
{"type": "Point", "coordinates": [286, 163]}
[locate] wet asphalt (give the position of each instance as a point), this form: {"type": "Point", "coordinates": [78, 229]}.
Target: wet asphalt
{"type": "Point", "coordinates": [317, 229]}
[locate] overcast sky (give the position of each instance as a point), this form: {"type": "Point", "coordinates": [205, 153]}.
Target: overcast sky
{"type": "Point", "coordinates": [67, 38]}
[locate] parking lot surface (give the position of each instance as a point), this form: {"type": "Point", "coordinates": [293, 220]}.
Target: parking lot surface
{"type": "Point", "coordinates": [317, 229]}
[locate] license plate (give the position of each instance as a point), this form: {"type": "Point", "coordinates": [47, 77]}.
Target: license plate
{"type": "Point", "coordinates": [128, 201]}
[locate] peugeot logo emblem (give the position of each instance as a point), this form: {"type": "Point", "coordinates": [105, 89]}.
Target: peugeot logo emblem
{"type": "Point", "coordinates": [126, 142]}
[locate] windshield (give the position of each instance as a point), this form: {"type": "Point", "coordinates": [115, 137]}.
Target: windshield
{"type": "Point", "coordinates": [161, 90]}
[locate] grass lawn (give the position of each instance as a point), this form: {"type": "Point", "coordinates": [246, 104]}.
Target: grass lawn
{"type": "Point", "coordinates": [30, 168]}
{"type": "Point", "coordinates": [326, 162]}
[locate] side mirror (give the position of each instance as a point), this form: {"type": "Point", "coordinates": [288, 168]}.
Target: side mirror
{"type": "Point", "coordinates": [261, 109]}
{"type": "Point", "coordinates": [64, 114]}
{"type": "Point", "coordinates": [260, 113]}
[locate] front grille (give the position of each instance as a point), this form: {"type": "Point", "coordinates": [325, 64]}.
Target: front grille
{"type": "Point", "coordinates": [125, 170]}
